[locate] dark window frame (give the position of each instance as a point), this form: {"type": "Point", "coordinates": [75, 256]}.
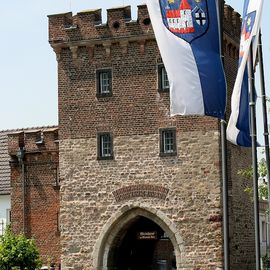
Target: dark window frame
{"type": "Point", "coordinates": [100, 155]}
{"type": "Point", "coordinates": [162, 151]}
{"type": "Point", "coordinates": [58, 226]}
{"type": "Point", "coordinates": [56, 179]}
{"type": "Point", "coordinates": [161, 88]}
{"type": "Point", "coordinates": [99, 72]}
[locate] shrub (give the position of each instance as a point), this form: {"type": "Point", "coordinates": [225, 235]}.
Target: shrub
{"type": "Point", "coordinates": [18, 252]}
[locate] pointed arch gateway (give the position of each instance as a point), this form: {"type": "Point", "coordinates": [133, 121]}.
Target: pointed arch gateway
{"type": "Point", "coordinates": [138, 237]}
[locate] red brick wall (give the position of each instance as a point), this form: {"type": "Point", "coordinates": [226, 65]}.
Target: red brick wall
{"type": "Point", "coordinates": [41, 199]}
{"type": "Point", "coordinates": [133, 56]}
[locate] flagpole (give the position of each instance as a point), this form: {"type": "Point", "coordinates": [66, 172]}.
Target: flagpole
{"type": "Point", "coordinates": [265, 122]}
{"type": "Point", "coordinates": [254, 154]}
{"type": "Point", "coordinates": [225, 196]}
{"type": "Point", "coordinates": [223, 126]}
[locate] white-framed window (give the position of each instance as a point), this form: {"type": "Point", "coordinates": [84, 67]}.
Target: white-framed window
{"type": "Point", "coordinates": [105, 146]}
{"type": "Point", "coordinates": [104, 82]}
{"type": "Point", "coordinates": [5, 221]}
{"type": "Point", "coordinates": [168, 141]}
{"type": "Point", "coordinates": [163, 81]}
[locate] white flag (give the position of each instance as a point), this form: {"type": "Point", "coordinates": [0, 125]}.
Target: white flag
{"type": "Point", "coordinates": [238, 130]}
{"type": "Point", "coordinates": [187, 33]}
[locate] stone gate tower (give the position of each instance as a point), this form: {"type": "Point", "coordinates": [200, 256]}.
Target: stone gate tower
{"type": "Point", "coordinates": [139, 189]}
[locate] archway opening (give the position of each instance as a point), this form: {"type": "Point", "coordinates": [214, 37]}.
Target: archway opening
{"type": "Point", "coordinates": [141, 245]}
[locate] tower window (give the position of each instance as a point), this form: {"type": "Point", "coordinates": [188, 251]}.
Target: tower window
{"type": "Point", "coordinates": [105, 146]}
{"type": "Point", "coordinates": [104, 82]}
{"type": "Point", "coordinates": [168, 142]}
{"type": "Point", "coordinates": [163, 79]}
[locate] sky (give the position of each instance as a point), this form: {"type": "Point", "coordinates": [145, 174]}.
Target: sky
{"type": "Point", "coordinates": [28, 64]}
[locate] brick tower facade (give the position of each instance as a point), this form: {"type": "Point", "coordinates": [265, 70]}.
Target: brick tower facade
{"type": "Point", "coordinates": [131, 174]}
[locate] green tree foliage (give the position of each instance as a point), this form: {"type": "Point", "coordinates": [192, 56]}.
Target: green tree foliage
{"type": "Point", "coordinates": [262, 168]}
{"type": "Point", "coordinates": [18, 253]}
{"type": "Point", "coordinates": [262, 173]}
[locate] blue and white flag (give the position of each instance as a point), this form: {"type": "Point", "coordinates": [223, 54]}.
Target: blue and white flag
{"type": "Point", "coordinates": [187, 33]}
{"type": "Point", "coordinates": [238, 130]}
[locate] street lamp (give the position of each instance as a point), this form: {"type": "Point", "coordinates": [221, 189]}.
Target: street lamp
{"type": "Point", "coordinates": [20, 154]}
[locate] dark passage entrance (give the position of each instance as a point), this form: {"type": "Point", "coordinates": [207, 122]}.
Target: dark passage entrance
{"type": "Point", "coordinates": [143, 245]}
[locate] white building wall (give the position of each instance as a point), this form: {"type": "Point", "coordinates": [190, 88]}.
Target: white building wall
{"type": "Point", "coordinates": [4, 211]}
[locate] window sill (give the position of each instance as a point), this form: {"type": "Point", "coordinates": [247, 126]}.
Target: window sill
{"type": "Point", "coordinates": [164, 90]}
{"type": "Point", "coordinates": [103, 95]}
{"type": "Point", "coordinates": [105, 158]}
{"type": "Point", "coordinates": [168, 154]}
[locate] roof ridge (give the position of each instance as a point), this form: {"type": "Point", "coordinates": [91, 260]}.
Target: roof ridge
{"type": "Point", "coordinates": [29, 128]}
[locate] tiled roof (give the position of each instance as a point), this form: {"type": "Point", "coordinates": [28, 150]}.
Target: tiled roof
{"type": "Point", "coordinates": [4, 164]}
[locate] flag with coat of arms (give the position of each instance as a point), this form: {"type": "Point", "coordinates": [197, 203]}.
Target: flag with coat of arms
{"type": "Point", "coordinates": [238, 130]}
{"type": "Point", "coordinates": [187, 33]}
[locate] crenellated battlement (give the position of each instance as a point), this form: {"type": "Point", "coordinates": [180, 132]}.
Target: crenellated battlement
{"type": "Point", "coordinates": [232, 22]}
{"type": "Point", "coordinates": [232, 30]}
{"type": "Point", "coordinates": [86, 28]}
{"type": "Point", "coordinates": [33, 140]}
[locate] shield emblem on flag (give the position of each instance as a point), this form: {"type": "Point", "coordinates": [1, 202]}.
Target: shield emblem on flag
{"type": "Point", "coordinates": [187, 19]}
{"type": "Point", "coordinates": [246, 33]}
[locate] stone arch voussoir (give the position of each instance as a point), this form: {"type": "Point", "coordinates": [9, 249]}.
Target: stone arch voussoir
{"type": "Point", "coordinates": [124, 216]}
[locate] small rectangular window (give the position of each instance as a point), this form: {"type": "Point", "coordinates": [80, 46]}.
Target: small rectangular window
{"type": "Point", "coordinates": [104, 82]}
{"type": "Point", "coordinates": [56, 178]}
{"type": "Point", "coordinates": [168, 142]}
{"type": "Point", "coordinates": [105, 146]}
{"type": "Point", "coordinates": [58, 228]}
{"type": "Point", "coordinates": [163, 80]}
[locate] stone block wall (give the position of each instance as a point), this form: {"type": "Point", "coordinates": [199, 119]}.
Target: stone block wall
{"type": "Point", "coordinates": [190, 182]}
